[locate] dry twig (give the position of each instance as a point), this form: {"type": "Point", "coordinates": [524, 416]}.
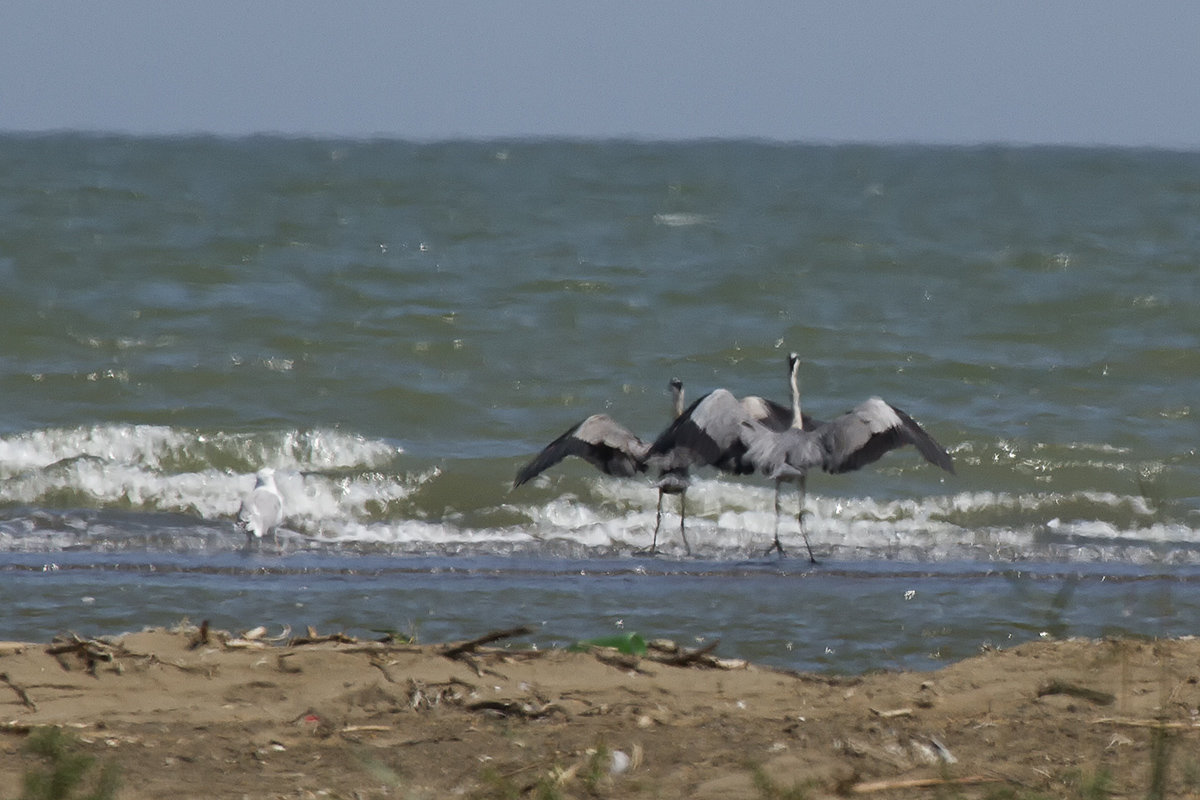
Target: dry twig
{"type": "Point", "coordinates": [90, 651]}
{"type": "Point", "coordinates": [921, 783]}
{"type": "Point", "coordinates": [471, 645]}
{"type": "Point", "coordinates": [1082, 692]}
{"type": "Point", "coordinates": [686, 658]}
{"type": "Point", "coordinates": [21, 693]}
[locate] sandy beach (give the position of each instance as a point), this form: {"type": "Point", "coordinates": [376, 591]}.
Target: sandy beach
{"type": "Point", "coordinates": [184, 713]}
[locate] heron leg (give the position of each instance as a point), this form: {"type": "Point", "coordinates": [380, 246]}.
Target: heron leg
{"type": "Point", "coordinates": [653, 550]}
{"type": "Point", "coordinates": [682, 517]}
{"type": "Point", "coordinates": [800, 518]}
{"type": "Point", "coordinates": [777, 546]}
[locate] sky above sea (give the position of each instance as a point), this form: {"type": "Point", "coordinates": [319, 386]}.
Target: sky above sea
{"type": "Point", "coordinates": [934, 71]}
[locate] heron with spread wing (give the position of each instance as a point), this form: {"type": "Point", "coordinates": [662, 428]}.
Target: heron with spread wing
{"type": "Point", "coordinates": [615, 450]}
{"type": "Point", "coordinates": [719, 430]}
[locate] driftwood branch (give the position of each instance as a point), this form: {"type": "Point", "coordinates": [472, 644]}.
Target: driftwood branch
{"type": "Point", "coordinates": [200, 637]}
{"type": "Point", "coordinates": [1073, 690]}
{"type": "Point", "coordinates": [622, 661]}
{"type": "Point", "coordinates": [686, 658]}
{"type": "Point", "coordinates": [21, 693]}
{"type": "Point", "coordinates": [516, 708]}
{"type": "Point", "coordinates": [90, 651]}
{"type": "Point", "coordinates": [921, 783]}
{"type": "Point", "coordinates": [339, 638]}
{"type": "Point", "coordinates": [471, 645]}
{"type": "Point", "coordinates": [1147, 723]}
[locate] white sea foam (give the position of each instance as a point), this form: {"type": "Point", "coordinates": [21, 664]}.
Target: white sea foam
{"type": "Point", "coordinates": [732, 517]}
{"type": "Point", "coordinates": [324, 475]}
{"type": "Point", "coordinates": [154, 447]}
{"type": "Point", "coordinates": [681, 219]}
{"type": "Point", "coordinates": [344, 489]}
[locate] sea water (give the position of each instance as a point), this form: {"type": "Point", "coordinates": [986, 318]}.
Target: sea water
{"type": "Point", "coordinates": [396, 327]}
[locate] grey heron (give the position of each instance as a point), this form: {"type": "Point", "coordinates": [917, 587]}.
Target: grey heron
{"type": "Point", "coordinates": [614, 450]}
{"type": "Point", "coordinates": [262, 510]}
{"type": "Point", "coordinates": [709, 432]}
{"type": "Point", "coordinates": [719, 430]}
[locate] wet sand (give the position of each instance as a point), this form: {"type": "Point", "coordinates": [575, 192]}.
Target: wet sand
{"type": "Point", "coordinates": [224, 715]}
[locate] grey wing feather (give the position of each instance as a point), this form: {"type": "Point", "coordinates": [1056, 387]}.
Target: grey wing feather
{"type": "Point", "coordinates": [600, 440]}
{"type": "Point", "coordinates": [781, 454]}
{"type": "Point", "coordinates": [933, 452]}
{"type": "Point", "coordinates": [775, 416]}
{"type": "Point", "coordinates": [707, 433]}
{"type": "Point", "coordinates": [860, 437]}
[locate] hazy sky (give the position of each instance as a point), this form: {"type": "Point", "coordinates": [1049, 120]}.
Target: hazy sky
{"type": "Point", "coordinates": [962, 71]}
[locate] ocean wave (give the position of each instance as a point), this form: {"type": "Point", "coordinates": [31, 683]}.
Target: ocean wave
{"type": "Point", "coordinates": [155, 469]}
{"type": "Point", "coordinates": [126, 487]}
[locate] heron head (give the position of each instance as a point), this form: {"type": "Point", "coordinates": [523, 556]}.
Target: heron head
{"type": "Point", "coordinates": [793, 360]}
{"type": "Point", "coordinates": [676, 385]}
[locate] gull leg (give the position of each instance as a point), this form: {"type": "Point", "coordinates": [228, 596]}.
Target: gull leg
{"type": "Point", "coordinates": [682, 517]}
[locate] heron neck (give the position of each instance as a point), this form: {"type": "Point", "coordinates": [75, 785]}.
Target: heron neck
{"type": "Point", "coordinates": [797, 419]}
{"type": "Point", "coordinates": [677, 402]}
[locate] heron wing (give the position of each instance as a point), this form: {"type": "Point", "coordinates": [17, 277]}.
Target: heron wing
{"type": "Point", "coordinates": [861, 436]}
{"type": "Point", "coordinates": [768, 413]}
{"type": "Point", "coordinates": [780, 455]}
{"type": "Point", "coordinates": [707, 433]}
{"type": "Point", "coordinates": [775, 416]}
{"type": "Point", "coordinates": [600, 440]}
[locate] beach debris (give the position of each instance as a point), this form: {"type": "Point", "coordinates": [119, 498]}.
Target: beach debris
{"type": "Point", "coordinates": [200, 637]}
{"type": "Point", "coordinates": [628, 643]}
{"type": "Point", "coordinates": [467, 651]}
{"type": "Point", "coordinates": [22, 695]}
{"type": "Point", "coordinates": [900, 752]}
{"type": "Point", "coordinates": [622, 661]}
{"type": "Point", "coordinates": [282, 664]}
{"type": "Point", "coordinates": [312, 637]}
{"type": "Point", "coordinates": [1118, 740]}
{"type": "Point", "coordinates": [595, 769]}
{"type": "Point", "coordinates": [1147, 723]}
{"type": "Point", "coordinates": [366, 729]}
{"type": "Point", "coordinates": [384, 666]}
{"type": "Point", "coordinates": [1083, 693]}
{"type": "Point", "coordinates": [246, 644]}
{"type": "Point", "coordinates": [942, 751]}
{"type": "Point", "coordinates": [891, 713]}
{"type": "Point", "coordinates": [392, 636]}
{"type": "Point", "coordinates": [12, 648]}
{"type": "Point", "coordinates": [869, 787]}
{"type": "Point", "coordinates": [517, 708]}
{"type": "Point", "coordinates": [624, 651]}
{"type": "Point", "coordinates": [90, 651]}
{"type": "Point", "coordinates": [423, 695]}
{"type": "Point", "coordinates": [470, 646]}
{"type": "Point", "coordinates": [700, 657]}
